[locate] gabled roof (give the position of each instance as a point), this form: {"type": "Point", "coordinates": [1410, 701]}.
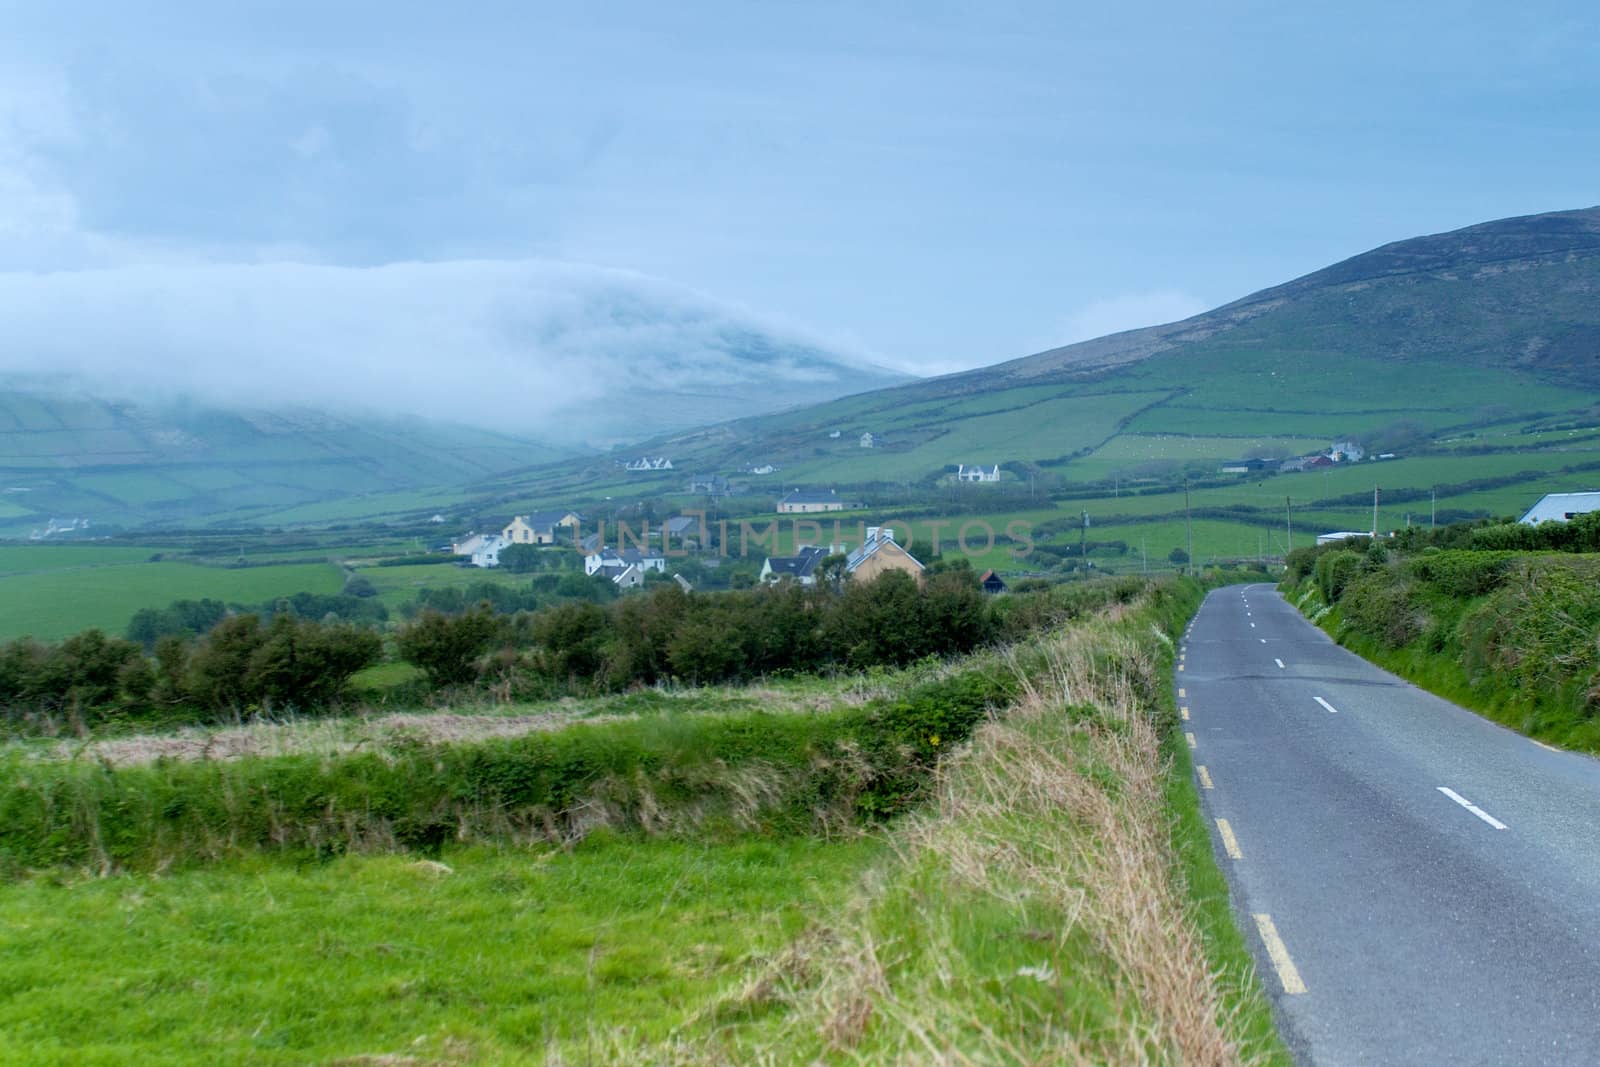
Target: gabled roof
{"type": "Point", "coordinates": [609, 556]}
{"type": "Point", "coordinates": [545, 520]}
{"type": "Point", "coordinates": [877, 539]}
{"type": "Point", "coordinates": [800, 565]}
{"type": "Point", "coordinates": [812, 496]}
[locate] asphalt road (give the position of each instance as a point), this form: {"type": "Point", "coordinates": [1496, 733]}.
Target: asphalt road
{"type": "Point", "coordinates": [1419, 884]}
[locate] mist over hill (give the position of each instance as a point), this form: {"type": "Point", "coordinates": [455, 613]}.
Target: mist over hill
{"type": "Point", "coordinates": [239, 393]}
{"type": "Point", "coordinates": [564, 353]}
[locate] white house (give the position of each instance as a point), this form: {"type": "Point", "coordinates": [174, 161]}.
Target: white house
{"type": "Point", "coordinates": [487, 554]}
{"type": "Point", "coordinates": [977, 473]}
{"type": "Point", "coordinates": [1345, 452]}
{"type": "Point", "coordinates": [1559, 507]}
{"type": "Point", "coordinates": [610, 559]}
{"type": "Point", "coordinates": [869, 440]}
{"type": "Point", "coordinates": [765, 468]}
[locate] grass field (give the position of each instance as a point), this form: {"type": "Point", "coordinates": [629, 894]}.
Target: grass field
{"type": "Point", "coordinates": [479, 956]}
{"type": "Point", "coordinates": [57, 602]}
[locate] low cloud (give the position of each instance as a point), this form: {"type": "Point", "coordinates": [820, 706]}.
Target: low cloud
{"type": "Point", "coordinates": [1129, 311]}
{"type": "Point", "coordinates": [537, 347]}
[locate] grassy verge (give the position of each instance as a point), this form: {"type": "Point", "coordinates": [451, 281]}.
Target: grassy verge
{"type": "Point", "coordinates": [1043, 908]}
{"type": "Point", "coordinates": [490, 957]}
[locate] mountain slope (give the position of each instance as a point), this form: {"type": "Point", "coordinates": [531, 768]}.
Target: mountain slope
{"type": "Point", "coordinates": [1396, 346]}
{"type": "Point", "coordinates": [71, 456]}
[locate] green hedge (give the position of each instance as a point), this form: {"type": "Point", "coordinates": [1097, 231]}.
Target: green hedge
{"type": "Point", "coordinates": [769, 773]}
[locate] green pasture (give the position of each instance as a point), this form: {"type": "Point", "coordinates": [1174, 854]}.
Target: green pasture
{"type": "Point", "coordinates": [481, 955]}
{"type": "Point", "coordinates": [52, 604]}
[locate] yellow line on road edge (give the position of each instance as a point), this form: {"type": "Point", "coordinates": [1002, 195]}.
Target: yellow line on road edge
{"type": "Point", "coordinates": [1205, 776]}
{"type": "Point", "coordinates": [1190, 739]}
{"type": "Point", "coordinates": [1541, 744]}
{"type": "Point", "coordinates": [1288, 974]}
{"type": "Point", "coordinates": [1180, 666]}
{"type": "Point", "coordinates": [1185, 713]}
{"type": "Point", "coordinates": [1181, 693]}
{"type": "Point", "coordinates": [1230, 844]}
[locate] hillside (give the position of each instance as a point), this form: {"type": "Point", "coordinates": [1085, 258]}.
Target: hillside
{"type": "Point", "coordinates": [75, 456]}
{"type": "Point", "coordinates": [1487, 329]}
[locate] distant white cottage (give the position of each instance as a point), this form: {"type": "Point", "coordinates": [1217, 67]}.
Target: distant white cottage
{"type": "Point", "coordinates": [978, 473]}
{"type": "Point", "coordinates": [869, 440]}
{"type": "Point", "coordinates": [1559, 507]}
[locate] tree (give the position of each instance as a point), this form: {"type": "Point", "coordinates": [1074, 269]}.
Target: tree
{"type": "Point", "coordinates": [447, 648]}
{"type": "Point", "coordinates": [1178, 557]}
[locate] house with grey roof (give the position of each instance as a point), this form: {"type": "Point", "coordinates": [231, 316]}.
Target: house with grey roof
{"type": "Point", "coordinates": [800, 567]}
{"type": "Point", "coordinates": [806, 501]}
{"type": "Point", "coordinates": [1559, 507]}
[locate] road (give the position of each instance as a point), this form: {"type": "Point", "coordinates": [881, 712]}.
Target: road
{"type": "Point", "coordinates": [1419, 884]}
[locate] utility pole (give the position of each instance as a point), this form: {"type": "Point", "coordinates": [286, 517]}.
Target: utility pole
{"type": "Point", "coordinates": [1083, 546]}
{"type": "Point", "coordinates": [1144, 561]}
{"type": "Point", "coordinates": [1188, 531]}
{"type": "Point", "coordinates": [1288, 528]}
{"type": "Point", "coordinates": [1433, 507]}
{"type": "Point", "coordinates": [1374, 512]}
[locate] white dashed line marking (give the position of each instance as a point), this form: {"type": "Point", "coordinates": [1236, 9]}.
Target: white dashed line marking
{"type": "Point", "coordinates": [1279, 662]}
{"type": "Point", "coordinates": [1470, 806]}
{"type": "Point", "coordinates": [1327, 705]}
{"type": "Point", "coordinates": [1205, 776]}
{"type": "Point", "coordinates": [1278, 953]}
{"type": "Point", "coordinates": [1230, 844]}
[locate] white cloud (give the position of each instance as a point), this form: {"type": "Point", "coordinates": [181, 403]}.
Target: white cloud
{"type": "Point", "coordinates": [543, 347]}
{"type": "Point", "coordinates": [1128, 311]}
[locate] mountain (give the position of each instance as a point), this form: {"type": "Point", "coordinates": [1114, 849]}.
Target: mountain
{"type": "Point", "coordinates": [70, 456]}
{"type": "Point", "coordinates": [1404, 346]}
{"type": "Point", "coordinates": [280, 362]}
{"type": "Point", "coordinates": [1516, 293]}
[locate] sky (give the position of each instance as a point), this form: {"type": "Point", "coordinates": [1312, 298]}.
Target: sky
{"type": "Point", "coordinates": [925, 186]}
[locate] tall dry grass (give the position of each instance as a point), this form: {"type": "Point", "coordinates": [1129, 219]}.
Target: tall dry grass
{"type": "Point", "coordinates": [1034, 913]}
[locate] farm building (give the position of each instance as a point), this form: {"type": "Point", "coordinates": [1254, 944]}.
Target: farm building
{"type": "Point", "coordinates": [992, 582]}
{"type": "Point", "coordinates": [869, 440]}
{"type": "Point", "coordinates": [806, 501]}
{"type": "Point", "coordinates": [1559, 507]}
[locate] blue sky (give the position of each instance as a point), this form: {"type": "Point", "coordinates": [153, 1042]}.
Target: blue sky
{"type": "Point", "coordinates": [925, 185]}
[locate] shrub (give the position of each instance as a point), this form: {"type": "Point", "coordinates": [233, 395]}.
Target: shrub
{"type": "Point", "coordinates": [447, 648]}
{"type": "Point", "coordinates": [1334, 571]}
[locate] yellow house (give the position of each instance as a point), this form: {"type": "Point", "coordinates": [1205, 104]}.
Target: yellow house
{"type": "Point", "coordinates": [538, 528]}
{"type": "Point", "coordinates": [880, 552]}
